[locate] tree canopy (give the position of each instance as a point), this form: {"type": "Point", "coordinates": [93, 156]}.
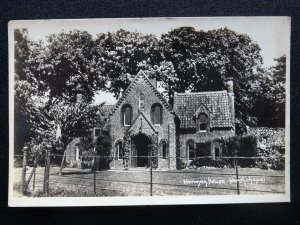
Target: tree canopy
{"type": "Point", "coordinates": [50, 76]}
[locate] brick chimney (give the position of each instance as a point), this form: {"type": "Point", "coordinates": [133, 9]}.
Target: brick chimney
{"type": "Point", "coordinates": [229, 87]}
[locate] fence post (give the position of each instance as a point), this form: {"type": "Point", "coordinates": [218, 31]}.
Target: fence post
{"type": "Point", "coordinates": [33, 182]}
{"type": "Point", "coordinates": [151, 173]}
{"type": "Point", "coordinates": [23, 180]}
{"type": "Point", "coordinates": [62, 163]}
{"type": "Point", "coordinates": [95, 163]}
{"type": "Point", "coordinates": [237, 176]}
{"type": "Point", "coordinates": [47, 172]}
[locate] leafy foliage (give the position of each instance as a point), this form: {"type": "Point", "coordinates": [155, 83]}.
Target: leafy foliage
{"type": "Point", "coordinates": [269, 95]}
{"type": "Point", "coordinates": [49, 77]}
{"type": "Point", "coordinates": [30, 117]}
{"type": "Point", "coordinates": [123, 54]}
{"type": "Point", "coordinates": [70, 66]}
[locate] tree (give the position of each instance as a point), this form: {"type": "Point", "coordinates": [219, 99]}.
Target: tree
{"type": "Point", "coordinates": [203, 60]}
{"type": "Point", "coordinates": [123, 54]}
{"type": "Point", "coordinates": [76, 120]}
{"type": "Point", "coordinates": [69, 67]}
{"type": "Point", "coordinates": [269, 107]}
{"type": "Point", "coordinates": [30, 119]}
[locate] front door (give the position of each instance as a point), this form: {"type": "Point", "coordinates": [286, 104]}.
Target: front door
{"type": "Point", "coordinates": [141, 143]}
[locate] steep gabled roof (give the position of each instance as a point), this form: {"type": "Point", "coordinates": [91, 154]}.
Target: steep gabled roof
{"type": "Point", "coordinates": [217, 102]}
{"type": "Point", "coordinates": [133, 84]}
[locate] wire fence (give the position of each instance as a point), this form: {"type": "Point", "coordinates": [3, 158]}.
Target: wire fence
{"type": "Point", "coordinates": [55, 175]}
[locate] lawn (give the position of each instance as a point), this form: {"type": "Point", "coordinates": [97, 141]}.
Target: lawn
{"type": "Point", "coordinates": [136, 182]}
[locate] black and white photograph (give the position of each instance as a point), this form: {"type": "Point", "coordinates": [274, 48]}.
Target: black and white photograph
{"type": "Point", "coordinates": [149, 111]}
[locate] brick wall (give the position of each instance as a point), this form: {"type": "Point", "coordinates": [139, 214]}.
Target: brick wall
{"type": "Point", "coordinates": [201, 137]}
{"type": "Point", "coordinates": [166, 131]}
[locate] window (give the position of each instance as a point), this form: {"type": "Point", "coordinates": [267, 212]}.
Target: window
{"type": "Point", "coordinates": [77, 153]}
{"type": "Point", "coordinates": [119, 152]}
{"type": "Point", "coordinates": [191, 149]}
{"type": "Point", "coordinates": [142, 101]}
{"type": "Point", "coordinates": [202, 122]}
{"type": "Point", "coordinates": [164, 149]}
{"type": "Point", "coordinates": [217, 150]}
{"type": "Point", "coordinates": [156, 114]}
{"type": "Point", "coordinates": [127, 115]}
{"type": "Point", "coordinates": [96, 132]}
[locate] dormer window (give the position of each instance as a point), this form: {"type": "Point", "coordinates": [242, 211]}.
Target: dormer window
{"type": "Point", "coordinates": [202, 122]}
{"type": "Point", "coordinates": [141, 101]}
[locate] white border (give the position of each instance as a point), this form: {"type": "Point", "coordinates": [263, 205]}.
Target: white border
{"type": "Point", "coordinates": [131, 201]}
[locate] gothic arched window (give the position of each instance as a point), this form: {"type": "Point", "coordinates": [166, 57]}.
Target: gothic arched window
{"type": "Point", "coordinates": [156, 114]}
{"type": "Point", "coordinates": [216, 149]}
{"type": "Point", "coordinates": [164, 150]}
{"type": "Point", "coordinates": [119, 150]}
{"type": "Point", "coordinates": [126, 115]}
{"type": "Point", "coordinates": [190, 149]}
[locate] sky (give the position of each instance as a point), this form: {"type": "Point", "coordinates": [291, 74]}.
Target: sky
{"type": "Point", "coordinates": [272, 34]}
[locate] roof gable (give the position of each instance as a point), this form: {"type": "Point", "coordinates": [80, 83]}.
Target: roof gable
{"type": "Point", "coordinates": [187, 105]}
{"type": "Point", "coordinates": [137, 125]}
{"type": "Point", "coordinates": [142, 75]}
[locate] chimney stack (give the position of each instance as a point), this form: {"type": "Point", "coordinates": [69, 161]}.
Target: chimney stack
{"type": "Point", "coordinates": [229, 84]}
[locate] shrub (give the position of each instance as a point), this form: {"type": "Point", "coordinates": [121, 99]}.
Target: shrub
{"type": "Point", "coordinates": [180, 164]}
{"type": "Point", "coordinates": [87, 159]}
{"type": "Point", "coordinates": [271, 158]}
{"type": "Point", "coordinates": [242, 146]}
{"type": "Point", "coordinates": [203, 149]}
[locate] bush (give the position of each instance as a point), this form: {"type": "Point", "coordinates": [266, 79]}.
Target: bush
{"type": "Point", "coordinates": [87, 159]}
{"type": "Point", "coordinates": [18, 162]}
{"type": "Point", "coordinates": [203, 149]}
{"type": "Point", "coordinates": [180, 164]}
{"type": "Point", "coordinates": [271, 158]}
{"type": "Point", "coordinates": [242, 146]}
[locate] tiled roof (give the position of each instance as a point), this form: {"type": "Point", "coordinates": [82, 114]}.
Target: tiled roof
{"type": "Point", "coordinates": [217, 103]}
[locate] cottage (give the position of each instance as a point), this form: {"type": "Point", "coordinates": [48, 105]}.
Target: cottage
{"type": "Point", "coordinates": [145, 127]}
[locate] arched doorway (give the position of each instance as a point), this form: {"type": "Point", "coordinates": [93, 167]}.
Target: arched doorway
{"type": "Point", "coordinates": [140, 150]}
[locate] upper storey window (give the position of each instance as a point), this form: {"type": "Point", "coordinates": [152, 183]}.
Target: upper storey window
{"type": "Point", "coordinates": [156, 114]}
{"type": "Point", "coordinates": [127, 115]}
{"type": "Point", "coordinates": [202, 122]}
